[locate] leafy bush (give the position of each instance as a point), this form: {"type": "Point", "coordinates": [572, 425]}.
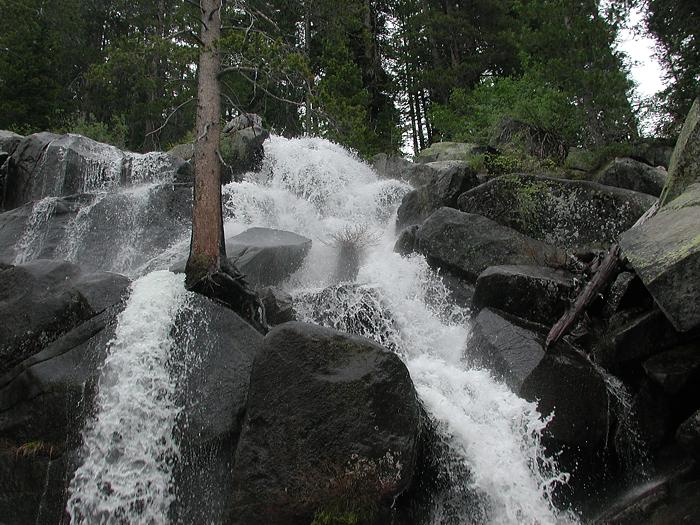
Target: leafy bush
{"type": "Point", "coordinates": [471, 116]}
{"type": "Point", "coordinates": [115, 132]}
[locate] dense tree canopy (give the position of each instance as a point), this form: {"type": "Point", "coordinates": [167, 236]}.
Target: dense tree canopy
{"type": "Point", "coordinates": [373, 74]}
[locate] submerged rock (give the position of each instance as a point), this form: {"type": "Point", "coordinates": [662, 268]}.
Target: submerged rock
{"type": "Point", "coordinates": [451, 180]}
{"type": "Point", "coordinates": [566, 213]}
{"type": "Point", "coordinates": [633, 175]}
{"type": "Point", "coordinates": [466, 244]}
{"type": "Point", "coordinates": [665, 253]}
{"type": "Point", "coordinates": [335, 440]}
{"type": "Point", "coordinates": [535, 293]}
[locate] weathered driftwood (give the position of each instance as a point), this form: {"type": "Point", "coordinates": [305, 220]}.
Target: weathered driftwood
{"type": "Point", "coordinates": [599, 280]}
{"type": "Point", "coordinates": [604, 272]}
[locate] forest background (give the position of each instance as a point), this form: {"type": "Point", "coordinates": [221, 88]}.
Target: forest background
{"type": "Point", "coordinates": [374, 75]}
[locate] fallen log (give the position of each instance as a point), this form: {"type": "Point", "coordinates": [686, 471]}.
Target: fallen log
{"type": "Point", "coordinates": [603, 274]}
{"type": "Point", "coordinates": [599, 280]}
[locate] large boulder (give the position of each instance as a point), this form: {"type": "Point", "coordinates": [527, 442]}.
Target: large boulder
{"type": "Point", "coordinates": [684, 169]}
{"type": "Point", "coordinates": [334, 441]}
{"type": "Point", "coordinates": [566, 213]}
{"type": "Point", "coordinates": [665, 253]}
{"type": "Point", "coordinates": [267, 256]}
{"type": "Point", "coordinates": [45, 164]}
{"type": "Point", "coordinates": [450, 151]}
{"type": "Point", "coordinates": [536, 293]}
{"type": "Point", "coordinates": [416, 174]}
{"type": "Point", "coordinates": [508, 347]}
{"type": "Point", "coordinates": [466, 244]}
{"type": "Point", "coordinates": [632, 175]}
{"type": "Point", "coordinates": [452, 179]}
{"type": "Point", "coordinates": [41, 300]}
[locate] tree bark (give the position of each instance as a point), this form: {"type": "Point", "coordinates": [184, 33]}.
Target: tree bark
{"type": "Point", "coordinates": [207, 248]}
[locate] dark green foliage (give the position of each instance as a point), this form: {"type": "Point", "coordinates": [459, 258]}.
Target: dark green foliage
{"type": "Point", "coordinates": [365, 74]}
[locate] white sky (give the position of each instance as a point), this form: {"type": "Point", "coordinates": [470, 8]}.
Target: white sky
{"type": "Point", "coordinates": [646, 70]}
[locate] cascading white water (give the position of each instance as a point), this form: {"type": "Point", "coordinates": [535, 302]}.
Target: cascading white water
{"type": "Point", "coordinates": [114, 187]}
{"type": "Point", "coordinates": [128, 445]}
{"type": "Point", "coordinates": [29, 245]}
{"type": "Point", "coordinates": [316, 188]}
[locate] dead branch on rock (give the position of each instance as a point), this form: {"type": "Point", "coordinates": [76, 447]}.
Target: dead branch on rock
{"type": "Point", "coordinates": [600, 279]}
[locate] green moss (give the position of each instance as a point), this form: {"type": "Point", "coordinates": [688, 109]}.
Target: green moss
{"type": "Point", "coordinates": [323, 517]}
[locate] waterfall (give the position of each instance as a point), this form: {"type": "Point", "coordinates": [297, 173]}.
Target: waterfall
{"type": "Point", "coordinates": [491, 458]}
{"type": "Point", "coordinates": [128, 445]}
{"type": "Point", "coordinates": [316, 188]}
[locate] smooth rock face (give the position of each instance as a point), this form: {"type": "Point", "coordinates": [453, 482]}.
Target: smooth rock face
{"type": "Point", "coordinates": [41, 419]}
{"type": "Point", "coordinates": [45, 165]}
{"type": "Point", "coordinates": [633, 175]}
{"type": "Point", "coordinates": [511, 351]}
{"type": "Point", "coordinates": [635, 336]}
{"type": "Point", "coordinates": [466, 244]}
{"type": "Point", "coordinates": [514, 350]}
{"type": "Point", "coordinates": [41, 300]}
{"type": "Point", "coordinates": [267, 256]}
{"type": "Point", "coordinates": [684, 169]}
{"type": "Point", "coordinates": [535, 293]}
{"type": "Point", "coordinates": [665, 253]}
{"type": "Point", "coordinates": [450, 151]}
{"type": "Point", "coordinates": [569, 214]}
{"type": "Point", "coordinates": [452, 179]}
{"type": "Point", "coordinates": [328, 415]}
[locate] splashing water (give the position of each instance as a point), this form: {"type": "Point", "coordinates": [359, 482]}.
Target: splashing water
{"type": "Point", "coordinates": [31, 242]}
{"type": "Point", "coordinates": [316, 188]}
{"type": "Point", "coordinates": [128, 447]}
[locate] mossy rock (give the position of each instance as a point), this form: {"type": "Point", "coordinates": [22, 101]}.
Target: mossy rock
{"type": "Point", "coordinates": [685, 161]}
{"type": "Point", "coordinates": [566, 213]}
{"type": "Point", "coordinates": [665, 253]}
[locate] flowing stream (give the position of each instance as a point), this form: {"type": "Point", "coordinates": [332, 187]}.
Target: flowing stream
{"type": "Point", "coordinates": [494, 464]}
{"type": "Point", "coordinates": [128, 446]}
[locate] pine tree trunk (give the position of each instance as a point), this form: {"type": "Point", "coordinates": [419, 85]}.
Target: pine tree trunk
{"type": "Point", "coordinates": [207, 247]}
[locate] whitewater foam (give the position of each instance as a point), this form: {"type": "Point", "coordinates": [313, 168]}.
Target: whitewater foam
{"type": "Point", "coordinates": [128, 445]}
